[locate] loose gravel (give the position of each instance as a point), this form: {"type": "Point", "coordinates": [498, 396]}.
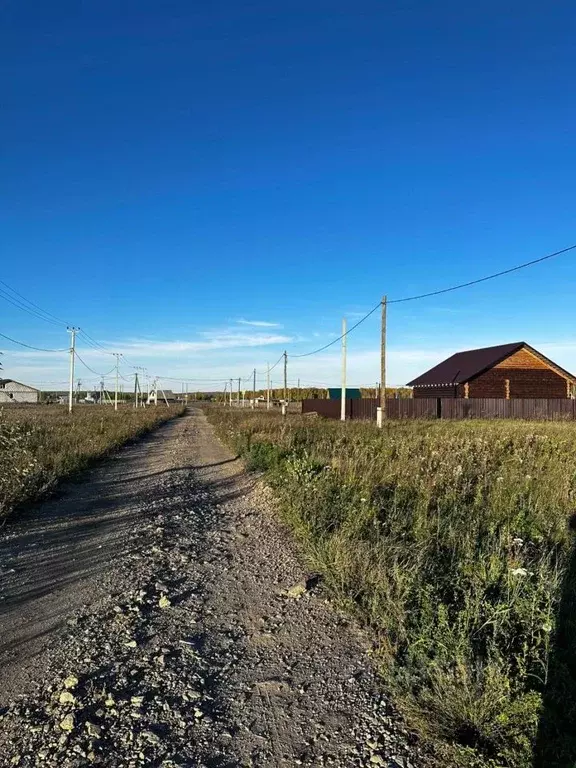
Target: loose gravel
{"type": "Point", "coordinates": [211, 644]}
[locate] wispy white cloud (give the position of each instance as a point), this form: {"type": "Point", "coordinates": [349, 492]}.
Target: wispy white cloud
{"type": "Point", "coordinates": [259, 323]}
{"type": "Point", "coordinates": [212, 341]}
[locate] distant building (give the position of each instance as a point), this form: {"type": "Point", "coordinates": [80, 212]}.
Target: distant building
{"type": "Point", "coordinates": [15, 392]}
{"type": "Point", "coordinates": [352, 393]}
{"type": "Point", "coordinates": [507, 371]}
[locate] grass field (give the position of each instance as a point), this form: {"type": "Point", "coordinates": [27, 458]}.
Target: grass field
{"type": "Point", "coordinates": [453, 541]}
{"type": "Point", "coordinates": [41, 445]}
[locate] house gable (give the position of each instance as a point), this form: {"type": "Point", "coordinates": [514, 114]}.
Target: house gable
{"type": "Point", "coordinates": [523, 359]}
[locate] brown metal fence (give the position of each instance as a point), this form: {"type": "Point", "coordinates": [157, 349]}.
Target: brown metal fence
{"type": "Point", "coordinates": [448, 408]}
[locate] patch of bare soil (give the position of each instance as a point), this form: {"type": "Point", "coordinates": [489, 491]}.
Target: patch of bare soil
{"type": "Point", "coordinates": [157, 614]}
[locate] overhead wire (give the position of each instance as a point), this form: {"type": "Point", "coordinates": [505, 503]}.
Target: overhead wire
{"type": "Point", "coordinates": [438, 293]}
{"type": "Point", "coordinates": [29, 346]}
{"type": "Point", "coordinates": [33, 304]}
{"type": "Point", "coordinates": [96, 373]}
{"type": "Point", "coordinates": [30, 311]}
{"type": "Point", "coordinates": [94, 343]}
{"type": "Point", "coordinates": [483, 279]}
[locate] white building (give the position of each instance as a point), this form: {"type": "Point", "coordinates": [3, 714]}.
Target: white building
{"type": "Point", "coordinates": [14, 392]}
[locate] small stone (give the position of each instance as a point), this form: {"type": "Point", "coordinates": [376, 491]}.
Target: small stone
{"type": "Point", "coordinates": [164, 602]}
{"type": "Point", "coordinates": [66, 698]}
{"type": "Point", "coordinates": [71, 682]}
{"type": "Point", "coordinates": [67, 724]}
{"type": "Point", "coordinates": [93, 730]}
{"type": "Point", "coordinates": [131, 644]}
{"type": "Point", "coordinates": [297, 590]}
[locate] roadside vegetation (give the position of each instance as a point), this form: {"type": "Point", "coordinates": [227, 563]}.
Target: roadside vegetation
{"type": "Point", "coordinates": [453, 541]}
{"type": "Point", "coordinates": [41, 445]}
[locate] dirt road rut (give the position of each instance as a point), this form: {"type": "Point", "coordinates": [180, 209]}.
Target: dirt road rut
{"type": "Point", "coordinates": [145, 620]}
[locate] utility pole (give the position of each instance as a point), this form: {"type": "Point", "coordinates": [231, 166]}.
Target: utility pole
{"type": "Point", "coordinates": [254, 394]}
{"type": "Point", "coordinates": [136, 388]}
{"type": "Point", "coordinates": [343, 395]}
{"type": "Point", "coordinates": [72, 331]}
{"type": "Point", "coordinates": [117, 356]}
{"type": "Point", "coordinates": [101, 391]}
{"type": "Point", "coordinates": [267, 386]}
{"type": "Point", "coordinates": [285, 378]}
{"type": "Point", "coordinates": [230, 393]}
{"type": "Point", "coordinates": [238, 397]}
{"type": "Point", "coordinates": [383, 363]}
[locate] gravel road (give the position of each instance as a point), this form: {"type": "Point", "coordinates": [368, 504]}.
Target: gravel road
{"type": "Point", "coordinates": [157, 613]}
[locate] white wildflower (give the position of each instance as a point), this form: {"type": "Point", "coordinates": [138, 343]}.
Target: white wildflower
{"type": "Point", "coordinates": [519, 572]}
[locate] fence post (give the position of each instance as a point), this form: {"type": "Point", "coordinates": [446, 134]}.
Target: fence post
{"type": "Point", "coordinates": [379, 418]}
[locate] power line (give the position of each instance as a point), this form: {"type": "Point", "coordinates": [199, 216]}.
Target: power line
{"type": "Point", "coordinates": [28, 346]}
{"type": "Point", "coordinates": [348, 332]}
{"type": "Point", "coordinates": [33, 304]}
{"type": "Point", "coordinates": [92, 369]}
{"type": "Point", "coordinates": [483, 279]}
{"type": "Point", "coordinates": [438, 293]}
{"type": "Point", "coordinates": [276, 363]}
{"type": "Point", "coordinates": [20, 305]}
{"type": "Point", "coordinates": [94, 343]}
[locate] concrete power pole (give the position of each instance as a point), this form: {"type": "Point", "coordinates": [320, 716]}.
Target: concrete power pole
{"type": "Point", "coordinates": [285, 378]}
{"type": "Point", "coordinates": [117, 356]}
{"type": "Point", "coordinates": [267, 386]}
{"type": "Point", "coordinates": [382, 414]}
{"type": "Point", "coordinates": [343, 395]}
{"type": "Point", "coordinates": [73, 331]}
{"type": "Point", "coordinates": [230, 393]}
{"type": "Point", "coordinates": [254, 392]}
{"type": "Point", "coordinates": [238, 395]}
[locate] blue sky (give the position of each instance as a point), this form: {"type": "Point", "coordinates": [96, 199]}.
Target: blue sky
{"type": "Point", "coordinates": [200, 185]}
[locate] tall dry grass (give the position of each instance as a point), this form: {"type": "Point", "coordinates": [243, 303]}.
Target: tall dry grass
{"type": "Point", "coordinates": [41, 445]}
{"type": "Point", "coordinates": [451, 539]}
